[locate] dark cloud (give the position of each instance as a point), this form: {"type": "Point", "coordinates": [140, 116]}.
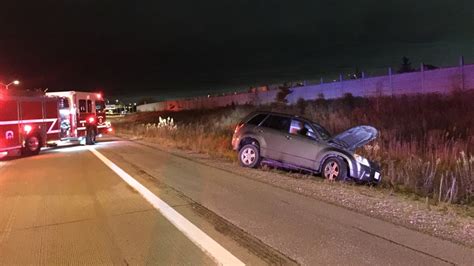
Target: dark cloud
{"type": "Point", "coordinates": [166, 47]}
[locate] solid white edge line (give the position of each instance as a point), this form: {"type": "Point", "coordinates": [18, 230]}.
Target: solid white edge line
{"type": "Point", "coordinates": [218, 253]}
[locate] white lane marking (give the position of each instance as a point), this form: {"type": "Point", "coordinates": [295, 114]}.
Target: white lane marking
{"type": "Point", "coordinates": [197, 236]}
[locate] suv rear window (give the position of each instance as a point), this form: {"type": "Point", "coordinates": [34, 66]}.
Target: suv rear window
{"type": "Point", "coordinates": [277, 122]}
{"type": "Point", "coordinates": [256, 120]}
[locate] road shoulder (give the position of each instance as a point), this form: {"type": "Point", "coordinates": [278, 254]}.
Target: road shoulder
{"type": "Point", "coordinates": [443, 221]}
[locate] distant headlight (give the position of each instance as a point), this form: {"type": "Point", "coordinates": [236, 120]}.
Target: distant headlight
{"type": "Point", "coordinates": [361, 160]}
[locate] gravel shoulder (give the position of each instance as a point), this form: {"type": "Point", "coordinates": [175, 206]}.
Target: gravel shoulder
{"type": "Point", "coordinates": [446, 221]}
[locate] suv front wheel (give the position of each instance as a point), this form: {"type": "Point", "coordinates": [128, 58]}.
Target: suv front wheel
{"type": "Point", "coordinates": [249, 156]}
{"type": "Point", "coordinates": [334, 169]}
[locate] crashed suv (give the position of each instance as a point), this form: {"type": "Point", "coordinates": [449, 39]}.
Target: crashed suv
{"type": "Point", "coordinates": [295, 142]}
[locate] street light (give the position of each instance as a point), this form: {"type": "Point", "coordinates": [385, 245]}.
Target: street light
{"type": "Point", "coordinates": [15, 82]}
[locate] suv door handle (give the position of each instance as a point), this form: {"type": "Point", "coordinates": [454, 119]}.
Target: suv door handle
{"type": "Point", "coordinates": [260, 130]}
{"type": "Point", "coordinates": [288, 137]}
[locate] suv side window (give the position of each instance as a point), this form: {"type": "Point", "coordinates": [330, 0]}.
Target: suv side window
{"type": "Point", "coordinates": [310, 132]}
{"type": "Point", "coordinates": [277, 122]}
{"type": "Point", "coordinates": [256, 120]}
{"type": "Point", "coordinates": [301, 128]}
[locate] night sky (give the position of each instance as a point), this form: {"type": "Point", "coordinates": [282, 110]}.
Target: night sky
{"type": "Point", "coordinates": [180, 48]}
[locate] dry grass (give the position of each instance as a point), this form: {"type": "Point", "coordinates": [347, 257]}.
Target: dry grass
{"type": "Point", "coordinates": [425, 147]}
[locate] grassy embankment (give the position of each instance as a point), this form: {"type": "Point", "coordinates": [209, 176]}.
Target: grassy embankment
{"type": "Point", "coordinates": [425, 146]}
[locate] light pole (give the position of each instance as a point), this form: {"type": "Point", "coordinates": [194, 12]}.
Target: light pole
{"type": "Point", "coordinates": [15, 82]}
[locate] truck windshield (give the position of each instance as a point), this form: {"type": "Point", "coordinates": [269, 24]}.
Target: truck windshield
{"type": "Point", "coordinates": [64, 103]}
{"type": "Point", "coordinates": [99, 106]}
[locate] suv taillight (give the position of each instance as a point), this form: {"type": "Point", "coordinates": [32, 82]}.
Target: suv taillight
{"type": "Point", "coordinates": [239, 125]}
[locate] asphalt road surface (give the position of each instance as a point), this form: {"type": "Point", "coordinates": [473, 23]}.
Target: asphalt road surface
{"type": "Point", "coordinates": [122, 202]}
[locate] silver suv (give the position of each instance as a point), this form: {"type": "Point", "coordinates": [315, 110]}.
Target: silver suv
{"type": "Point", "coordinates": [294, 142]}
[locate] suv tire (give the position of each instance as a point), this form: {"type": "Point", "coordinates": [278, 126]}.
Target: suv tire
{"type": "Point", "coordinates": [249, 156]}
{"type": "Point", "coordinates": [334, 169]}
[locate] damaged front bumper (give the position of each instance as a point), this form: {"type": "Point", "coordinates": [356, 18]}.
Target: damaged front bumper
{"type": "Point", "coordinates": [369, 173]}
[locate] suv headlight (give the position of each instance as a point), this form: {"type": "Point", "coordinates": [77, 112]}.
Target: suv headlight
{"type": "Point", "coordinates": [361, 160]}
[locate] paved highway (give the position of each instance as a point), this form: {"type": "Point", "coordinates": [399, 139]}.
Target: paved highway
{"type": "Point", "coordinates": [122, 202]}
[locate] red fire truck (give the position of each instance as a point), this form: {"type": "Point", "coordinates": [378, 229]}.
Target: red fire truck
{"type": "Point", "coordinates": [28, 123]}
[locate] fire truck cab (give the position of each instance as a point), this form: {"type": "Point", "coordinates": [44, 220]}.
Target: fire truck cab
{"type": "Point", "coordinates": [29, 122]}
{"type": "Point", "coordinates": [81, 115]}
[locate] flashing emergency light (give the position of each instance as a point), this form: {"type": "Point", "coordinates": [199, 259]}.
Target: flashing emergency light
{"type": "Point", "coordinates": [27, 129]}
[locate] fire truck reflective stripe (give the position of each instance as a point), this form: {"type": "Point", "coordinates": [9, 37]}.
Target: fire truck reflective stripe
{"type": "Point", "coordinates": [84, 128]}
{"type": "Point", "coordinates": [13, 122]}
{"type": "Point", "coordinates": [11, 148]}
{"type": "Point", "coordinates": [50, 130]}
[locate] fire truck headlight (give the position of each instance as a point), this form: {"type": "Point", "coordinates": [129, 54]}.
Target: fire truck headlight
{"type": "Point", "coordinates": [27, 129]}
{"type": "Point", "coordinates": [91, 119]}
{"type": "Point", "coordinates": [109, 129]}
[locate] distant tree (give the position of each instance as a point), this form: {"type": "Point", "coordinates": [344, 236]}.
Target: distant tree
{"type": "Point", "coordinates": [283, 92]}
{"type": "Point", "coordinates": [348, 100]}
{"type": "Point", "coordinates": [405, 67]}
{"type": "Point", "coordinates": [320, 99]}
{"type": "Point", "coordinates": [429, 67]}
{"type": "Point", "coordinates": [301, 104]}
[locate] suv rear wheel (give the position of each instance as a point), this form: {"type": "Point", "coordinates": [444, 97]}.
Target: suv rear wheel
{"type": "Point", "coordinates": [249, 156]}
{"type": "Point", "coordinates": [334, 169]}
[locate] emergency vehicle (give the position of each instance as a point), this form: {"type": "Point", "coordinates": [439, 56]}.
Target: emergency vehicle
{"type": "Point", "coordinates": [30, 122]}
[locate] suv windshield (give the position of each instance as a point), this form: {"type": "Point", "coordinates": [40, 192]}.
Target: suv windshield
{"type": "Point", "coordinates": [325, 135]}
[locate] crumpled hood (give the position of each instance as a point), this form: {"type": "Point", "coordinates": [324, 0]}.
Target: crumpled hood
{"type": "Point", "coordinates": [355, 137]}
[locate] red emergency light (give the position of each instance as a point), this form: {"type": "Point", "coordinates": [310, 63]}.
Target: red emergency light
{"type": "Point", "coordinates": [27, 129]}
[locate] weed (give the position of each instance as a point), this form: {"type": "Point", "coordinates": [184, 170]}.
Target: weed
{"type": "Point", "coordinates": [425, 146]}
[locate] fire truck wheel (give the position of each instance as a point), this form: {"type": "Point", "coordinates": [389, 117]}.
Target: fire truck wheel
{"type": "Point", "coordinates": [90, 137]}
{"type": "Point", "coordinates": [32, 145]}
